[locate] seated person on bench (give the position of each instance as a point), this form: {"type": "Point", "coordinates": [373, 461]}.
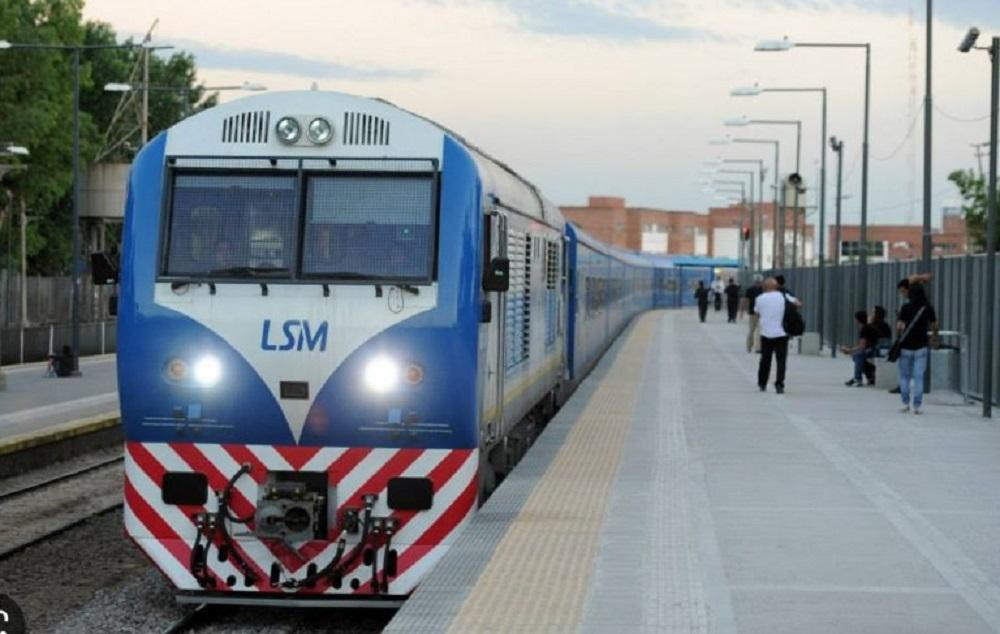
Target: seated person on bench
{"type": "Point", "coordinates": [868, 336]}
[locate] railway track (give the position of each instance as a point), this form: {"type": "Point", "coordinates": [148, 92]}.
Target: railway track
{"type": "Point", "coordinates": [69, 475]}
{"type": "Point", "coordinates": [44, 509]}
{"type": "Point", "coordinates": [197, 616]}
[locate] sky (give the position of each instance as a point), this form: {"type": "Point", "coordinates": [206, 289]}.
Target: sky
{"type": "Point", "coordinates": [622, 97]}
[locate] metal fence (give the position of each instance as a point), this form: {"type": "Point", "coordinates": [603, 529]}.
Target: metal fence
{"type": "Point", "coordinates": [36, 343]}
{"type": "Point", "coordinates": [957, 292]}
{"type": "Point", "coordinates": [48, 308]}
{"type": "Point", "coordinates": [49, 300]}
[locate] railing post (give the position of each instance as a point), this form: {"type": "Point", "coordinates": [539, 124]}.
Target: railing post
{"type": "Point", "coordinates": [103, 323]}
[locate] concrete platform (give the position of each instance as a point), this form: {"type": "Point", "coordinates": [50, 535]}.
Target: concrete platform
{"type": "Point", "coordinates": [670, 495]}
{"type": "Point", "coordinates": [35, 406]}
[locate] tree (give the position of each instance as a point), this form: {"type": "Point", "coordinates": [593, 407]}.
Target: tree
{"type": "Point", "coordinates": [973, 189]}
{"type": "Point", "coordinates": [36, 110]}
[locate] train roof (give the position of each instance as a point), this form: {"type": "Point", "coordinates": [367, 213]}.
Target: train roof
{"type": "Point", "coordinates": [244, 128]}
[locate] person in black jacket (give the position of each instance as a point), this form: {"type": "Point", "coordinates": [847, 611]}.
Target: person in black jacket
{"type": "Point", "coordinates": [868, 336]}
{"type": "Point", "coordinates": [701, 295]}
{"type": "Point", "coordinates": [732, 292]}
{"type": "Point", "coordinates": [916, 317]}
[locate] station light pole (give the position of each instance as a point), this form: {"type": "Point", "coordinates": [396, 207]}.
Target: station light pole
{"type": "Point", "coordinates": [753, 91]}
{"type": "Point", "coordinates": [184, 90]}
{"type": "Point", "coordinates": [746, 221]}
{"type": "Point", "coordinates": [755, 217]}
{"type": "Point", "coordinates": [989, 296]}
{"type": "Point", "coordinates": [774, 241]}
{"type": "Point", "coordinates": [743, 121]}
{"type": "Point", "coordinates": [838, 148]}
{"type": "Point", "coordinates": [77, 265]}
{"type": "Point", "coordinates": [786, 45]}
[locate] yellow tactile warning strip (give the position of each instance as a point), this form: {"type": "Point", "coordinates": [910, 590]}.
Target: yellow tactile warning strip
{"type": "Point", "coordinates": [59, 432]}
{"type": "Point", "coordinates": [539, 574]}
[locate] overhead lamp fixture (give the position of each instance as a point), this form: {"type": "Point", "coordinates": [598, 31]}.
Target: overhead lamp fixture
{"type": "Point", "coordinates": [774, 46]}
{"type": "Point", "coordinates": [969, 41]}
{"type": "Point", "coordinates": [746, 91]}
{"type": "Point", "coordinates": [737, 122]}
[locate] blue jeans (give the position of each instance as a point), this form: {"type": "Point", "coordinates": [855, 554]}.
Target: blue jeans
{"type": "Point", "coordinates": [912, 365]}
{"type": "Point", "coordinates": [860, 359]}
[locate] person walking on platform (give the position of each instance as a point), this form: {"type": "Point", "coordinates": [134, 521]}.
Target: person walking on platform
{"type": "Point", "coordinates": [915, 318]}
{"type": "Point", "coordinates": [770, 306]}
{"type": "Point", "coordinates": [904, 291]}
{"type": "Point", "coordinates": [732, 292]}
{"type": "Point", "coordinates": [717, 289]}
{"type": "Point", "coordinates": [701, 295]}
{"type": "Point", "coordinates": [753, 323]}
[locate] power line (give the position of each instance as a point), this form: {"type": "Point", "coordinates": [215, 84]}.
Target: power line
{"type": "Point", "coordinates": [902, 144]}
{"type": "Point", "coordinates": [909, 202]}
{"type": "Point", "coordinates": [960, 119]}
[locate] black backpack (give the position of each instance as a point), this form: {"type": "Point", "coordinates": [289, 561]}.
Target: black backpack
{"type": "Point", "coordinates": [792, 322]}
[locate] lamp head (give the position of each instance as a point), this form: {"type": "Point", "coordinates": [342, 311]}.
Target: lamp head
{"type": "Point", "coordinates": [253, 86]}
{"type": "Point", "coordinates": [774, 46]}
{"type": "Point", "coordinates": [745, 91]}
{"type": "Point", "coordinates": [836, 145]}
{"type": "Point", "coordinates": [737, 122]}
{"type": "Point", "coordinates": [725, 141]}
{"type": "Point", "coordinates": [969, 40]}
{"type": "Point", "coordinates": [4, 44]}
{"type": "Point", "coordinates": [117, 87]}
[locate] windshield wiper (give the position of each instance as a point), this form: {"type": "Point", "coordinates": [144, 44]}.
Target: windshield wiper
{"type": "Point", "coordinates": [249, 271]}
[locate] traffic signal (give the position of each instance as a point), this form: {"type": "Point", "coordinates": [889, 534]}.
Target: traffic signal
{"type": "Point", "coordinates": [746, 233]}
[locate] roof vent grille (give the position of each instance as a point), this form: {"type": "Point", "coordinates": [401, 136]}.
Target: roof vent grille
{"type": "Point", "coordinates": [246, 127]}
{"type": "Point", "coordinates": [364, 129]}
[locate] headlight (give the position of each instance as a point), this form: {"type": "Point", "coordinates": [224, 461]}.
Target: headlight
{"type": "Point", "coordinates": [320, 131]}
{"type": "Point", "coordinates": [381, 374]}
{"type": "Point", "coordinates": [288, 130]}
{"type": "Point", "coordinates": [207, 371]}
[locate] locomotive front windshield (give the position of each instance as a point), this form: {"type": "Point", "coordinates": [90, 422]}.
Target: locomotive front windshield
{"type": "Point", "coordinates": [231, 225]}
{"type": "Point", "coordinates": [354, 227]}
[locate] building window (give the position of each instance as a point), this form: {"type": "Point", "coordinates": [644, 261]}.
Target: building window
{"type": "Point", "coordinates": [852, 248]}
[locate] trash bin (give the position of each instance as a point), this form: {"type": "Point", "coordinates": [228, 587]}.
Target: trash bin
{"type": "Point", "coordinates": [945, 369]}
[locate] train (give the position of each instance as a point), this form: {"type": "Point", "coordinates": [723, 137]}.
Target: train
{"type": "Point", "coordinates": [340, 324]}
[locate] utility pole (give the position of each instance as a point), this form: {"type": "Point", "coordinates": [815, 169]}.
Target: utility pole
{"type": "Point", "coordinates": [980, 151]}
{"type": "Point", "coordinates": [145, 92]}
{"type": "Point", "coordinates": [927, 245]}
{"type": "Point", "coordinates": [24, 264]}
{"type": "Point", "coordinates": [991, 231]}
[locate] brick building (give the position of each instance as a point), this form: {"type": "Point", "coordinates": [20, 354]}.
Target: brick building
{"type": "Point", "coordinates": [904, 242]}
{"type": "Point", "coordinates": [671, 232]}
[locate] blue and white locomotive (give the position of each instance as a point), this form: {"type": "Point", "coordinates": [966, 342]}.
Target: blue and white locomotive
{"type": "Point", "coordinates": [338, 323]}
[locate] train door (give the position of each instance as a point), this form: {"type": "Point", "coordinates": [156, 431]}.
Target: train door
{"type": "Point", "coordinates": [492, 330]}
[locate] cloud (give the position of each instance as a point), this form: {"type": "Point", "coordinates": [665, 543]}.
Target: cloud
{"type": "Point", "coordinates": [258, 61]}
{"type": "Point", "coordinates": [575, 18]}
{"type": "Point", "coordinates": [961, 12]}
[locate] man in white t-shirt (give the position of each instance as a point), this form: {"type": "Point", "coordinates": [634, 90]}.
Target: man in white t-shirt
{"type": "Point", "coordinates": [770, 307]}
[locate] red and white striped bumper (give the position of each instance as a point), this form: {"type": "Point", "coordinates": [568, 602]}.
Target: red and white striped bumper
{"type": "Point", "coordinates": [167, 532]}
